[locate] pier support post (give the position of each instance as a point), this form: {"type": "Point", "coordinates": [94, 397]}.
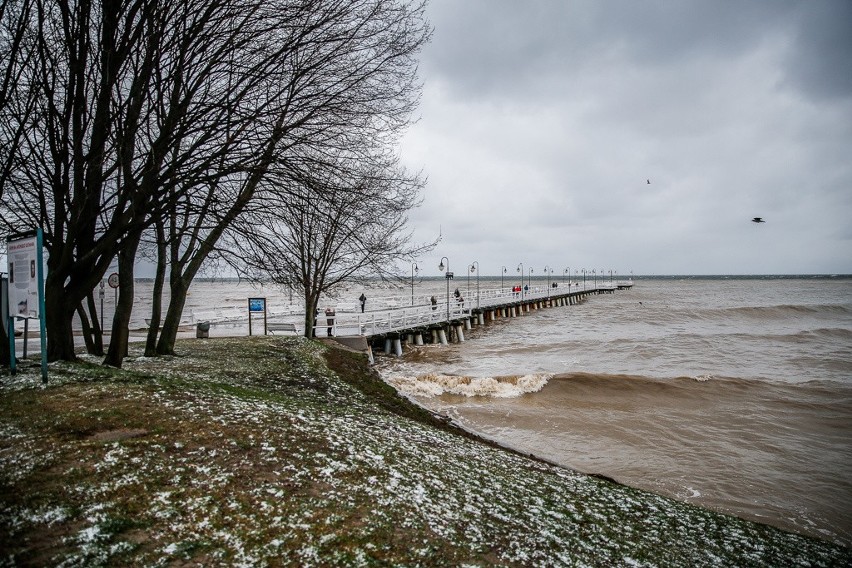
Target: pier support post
{"type": "Point", "coordinates": [387, 345]}
{"type": "Point", "coordinates": [460, 333]}
{"type": "Point", "coordinates": [397, 347]}
{"type": "Point", "coordinates": [418, 338]}
{"type": "Point", "coordinates": [481, 318]}
{"type": "Point", "coordinates": [442, 336]}
{"type": "Point", "coordinates": [467, 323]}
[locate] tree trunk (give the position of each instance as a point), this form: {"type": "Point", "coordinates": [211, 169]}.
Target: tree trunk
{"type": "Point", "coordinates": [87, 330]}
{"type": "Point", "coordinates": [311, 317]}
{"type": "Point", "coordinates": [97, 334]}
{"type": "Point", "coordinates": [157, 294]}
{"type": "Point", "coordinates": [178, 287]}
{"type": "Point", "coordinates": [59, 314]}
{"type": "Point", "coordinates": [121, 320]}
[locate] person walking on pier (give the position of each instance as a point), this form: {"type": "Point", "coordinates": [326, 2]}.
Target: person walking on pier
{"type": "Point", "coordinates": [329, 319]}
{"type": "Point", "coordinates": [363, 300]}
{"type": "Point", "coordinates": [434, 301]}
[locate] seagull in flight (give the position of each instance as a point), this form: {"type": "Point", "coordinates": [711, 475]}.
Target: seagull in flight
{"type": "Point", "coordinates": [758, 220]}
{"type": "Point", "coordinates": [649, 182]}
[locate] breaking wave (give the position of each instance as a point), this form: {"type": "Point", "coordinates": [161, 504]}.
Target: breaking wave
{"type": "Point", "coordinates": [500, 387]}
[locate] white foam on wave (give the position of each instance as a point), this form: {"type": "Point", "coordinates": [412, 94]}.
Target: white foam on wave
{"type": "Point", "coordinates": [499, 387]}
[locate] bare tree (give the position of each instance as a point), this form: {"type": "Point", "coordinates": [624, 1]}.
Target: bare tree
{"type": "Point", "coordinates": [347, 78]}
{"type": "Point", "coordinates": [88, 160]}
{"type": "Point", "coordinates": [122, 115]}
{"type": "Point", "coordinates": [339, 224]}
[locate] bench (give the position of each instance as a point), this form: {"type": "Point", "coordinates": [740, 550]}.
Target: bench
{"type": "Point", "coordinates": [274, 326]}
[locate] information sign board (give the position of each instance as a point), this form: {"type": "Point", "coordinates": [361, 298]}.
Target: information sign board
{"type": "Point", "coordinates": [23, 260]}
{"type": "Point", "coordinates": [257, 305]}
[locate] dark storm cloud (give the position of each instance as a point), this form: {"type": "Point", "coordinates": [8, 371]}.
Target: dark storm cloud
{"type": "Point", "coordinates": [820, 62]}
{"type": "Point", "coordinates": [542, 121]}
{"type": "Point", "coordinates": [502, 46]}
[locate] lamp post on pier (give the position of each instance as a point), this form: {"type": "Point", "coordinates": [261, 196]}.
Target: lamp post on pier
{"type": "Point", "coordinates": [584, 280]}
{"type": "Point", "coordinates": [448, 276]}
{"type": "Point", "coordinates": [595, 276]}
{"type": "Point", "coordinates": [568, 272]}
{"type": "Point", "coordinates": [414, 270]}
{"type": "Point", "coordinates": [474, 266]}
{"type": "Point", "coordinates": [521, 271]}
{"type": "Point", "coordinates": [548, 271]}
{"type": "Point", "coordinates": [501, 278]}
{"type": "Point", "coordinates": [529, 278]}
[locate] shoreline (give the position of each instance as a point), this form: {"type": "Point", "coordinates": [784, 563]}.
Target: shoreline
{"type": "Point", "coordinates": [254, 449]}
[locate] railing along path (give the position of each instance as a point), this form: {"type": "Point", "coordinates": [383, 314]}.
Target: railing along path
{"type": "Point", "coordinates": [423, 314]}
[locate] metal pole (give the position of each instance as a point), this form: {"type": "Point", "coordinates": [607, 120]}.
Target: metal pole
{"type": "Point", "coordinates": [475, 266]}
{"type": "Point", "coordinates": [547, 271]}
{"type": "Point", "coordinates": [414, 269]}
{"type": "Point", "coordinates": [521, 270]}
{"type": "Point", "coordinates": [448, 275]}
{"type": "Point", "coordinates": [101, 295]}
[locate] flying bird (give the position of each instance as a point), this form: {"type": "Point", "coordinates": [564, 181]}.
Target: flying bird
{"type": "Point", "coordinates": [758, 220]}
{"type": "Point", "coordinates": [649, 182]}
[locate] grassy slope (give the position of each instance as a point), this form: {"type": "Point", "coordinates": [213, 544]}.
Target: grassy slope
{"type": "Point", "coordinates": [280, 451]}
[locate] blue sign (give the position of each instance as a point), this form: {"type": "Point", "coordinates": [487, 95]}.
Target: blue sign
{"type": "Point", "coordinates": [257, 305]}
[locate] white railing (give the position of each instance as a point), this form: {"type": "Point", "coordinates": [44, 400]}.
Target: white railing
{"type": "Point", "coordinates": [409, 317]}
{"type": "Point", "coordinates": [396, 313]}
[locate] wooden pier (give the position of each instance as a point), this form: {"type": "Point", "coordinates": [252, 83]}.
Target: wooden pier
{"type": "Point", "coordinates": [446, 322]}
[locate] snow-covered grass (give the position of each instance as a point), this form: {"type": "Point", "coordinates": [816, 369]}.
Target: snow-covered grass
{"type": "Point", "coordinates": [252, 452]}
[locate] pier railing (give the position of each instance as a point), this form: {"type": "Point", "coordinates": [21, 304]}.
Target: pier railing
{"type": "Point", "coordinates": [382, 321]}
{"type": "Point", "coordinates": [395, 313]}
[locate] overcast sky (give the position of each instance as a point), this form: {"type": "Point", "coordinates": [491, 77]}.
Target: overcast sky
{"type": "Point", "coordinates": [542, 122]}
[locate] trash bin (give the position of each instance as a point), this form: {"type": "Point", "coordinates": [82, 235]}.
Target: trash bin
{"type": "Point", "coordinates": [202, 330]}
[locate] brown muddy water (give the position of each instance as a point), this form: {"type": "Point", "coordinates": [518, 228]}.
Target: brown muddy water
{"type": "Point", "coordinates": [733, 394]}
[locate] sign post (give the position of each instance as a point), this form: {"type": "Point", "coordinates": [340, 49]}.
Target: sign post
{"type": "Point", "coordinates": [101, 296]}
{"type": "Point", "coordinates": [257, 306]}
{"type": "Point", "coordinates": [26, 290]}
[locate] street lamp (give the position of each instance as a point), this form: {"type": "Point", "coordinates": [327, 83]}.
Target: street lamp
{"type": "Point", "coordinates": [501, 279]}
{"type": "Point", "coordinates": [476, 269]}
{"type": "Point", "coordinates": [548, 271]}
{"type": "Point", "coordinates": [595, 275]}
{"type": "Point", "coordinates": [414, 269]}
{"type": "Point", "coordinates": [584, 280]}
{"type": "Point", "coordinates": [521, 270]}
{"type": "Point", "coordinates": [568, 272]}
{"type": "Point", "coordinates": [448, 276]}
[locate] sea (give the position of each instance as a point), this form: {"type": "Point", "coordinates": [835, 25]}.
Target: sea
{"type": "Point", "coordinates": [731, 393]}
